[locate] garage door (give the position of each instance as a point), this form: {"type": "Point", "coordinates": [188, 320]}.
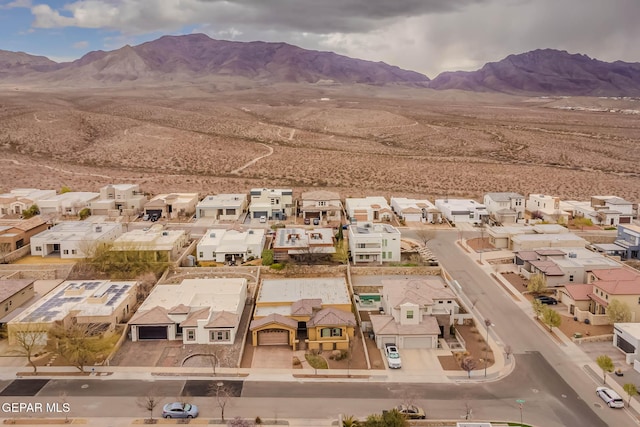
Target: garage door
{"type": "Point", "coordinates": [258, 214]}
{"type": "Point", "coordinates": [273, 337]}
{"type": "Point", "coordinates": [416, 342]}
{"type": "Point", "coordinates": [152, 332]}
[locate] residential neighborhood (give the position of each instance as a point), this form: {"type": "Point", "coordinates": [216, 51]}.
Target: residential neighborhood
{"type": "Point", "coordinates": [274, 279]}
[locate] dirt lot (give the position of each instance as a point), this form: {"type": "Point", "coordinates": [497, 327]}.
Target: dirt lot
{"type": "Point", "coordinates": [205, 141]}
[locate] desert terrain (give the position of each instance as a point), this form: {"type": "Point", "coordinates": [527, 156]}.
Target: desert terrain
{"type": "Point", "coordinates": [357, 140]}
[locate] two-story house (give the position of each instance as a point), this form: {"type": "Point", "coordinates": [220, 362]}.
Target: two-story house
{"type": "Point", "coordinates": [416, 313]}
{"type": "Point", "coordinates": [370, 242]}
{"type": "Point", "coordinates": [119, 199]}
{"type": "Point", "coordinates": [505, 208]}
{"type": "Point", "coordinates": [222, 207]}
{"type": "Point", "coordinates": [628, 240]}
{"type": "Point", "coordinates": [74, 239]}
{"type": "Point", "coordinates": [321, 204]}
{"type": "Point", "coordinates": [547, 208]}
{"type": "Point", "coordinates": [368, 209]}
{"type": "Point", "coordinates": [219, 245]}
{"type": "Point", "coordinates": [271, 203]}
{"type": "Point", "coordinates": [303, 244]}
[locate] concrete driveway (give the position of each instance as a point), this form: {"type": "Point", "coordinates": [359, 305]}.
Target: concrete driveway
{"type": "Point", "coordinates": [272, 357]}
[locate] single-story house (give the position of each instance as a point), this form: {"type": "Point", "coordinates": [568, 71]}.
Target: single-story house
{"type": "Point", "coordinates": [314, 313]}
{"type": "Point", "coordinates": [196, 311]}
{"type": "Point", "coordinates": [74, 239]}
{"type": "Point", "coordinates": [221, 245]}
{"type": "Point", "coordinates": [14, 293]}
{"type": "Point", "coordinates": [156, 243]}
{"type": "Point", "coordinates": [172, 205]}
{"type": "Point", "coordinates": [222, 207]}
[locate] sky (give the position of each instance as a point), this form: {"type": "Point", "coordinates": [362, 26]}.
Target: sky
{"type": "Point", "coordinates": [428, 36]}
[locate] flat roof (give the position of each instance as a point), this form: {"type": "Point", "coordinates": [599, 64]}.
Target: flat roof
{"type": "Point", "coordinates": [223, 200]}
{"type": "Point", "coordinates": [175, 197]}
{"type": "Point", "coordinates": [74, 295]}
{"type": "Point", "coordinates": [292, 238]}
{"type": "Point", "coordinates": [369, 228]}
{"type": "Point", "coordinates": [9, 288]}
{"type": "Point", "coordinates": [632, 329]}
{"type": "Point", "coordinates": [331, 290]}
{"type": "Point", "coordinates": [217, 294]}
{"type": "Point", "coordinates": [155, 238]}
{"type": "Point", "coordinates": [77, 230]}
{"type": "Point", "coordinates": [229, 241]}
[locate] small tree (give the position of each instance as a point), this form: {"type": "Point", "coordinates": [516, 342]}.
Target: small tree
{"type": "Point", "coordinates": [30, 339]}
{"type": "Point", "coordinates": [468, 364]}
{"type": "Point", "coordinates": [537, 308]}
{"type": "Point", "coordinates": [537, 284]}
{"type": "Point", "coordinates": [148, 403]}
{"type": "Point", "coordinates": [267, 257]}
{"type": "Point", "coordinates": [31, 212]}
{"type": "Point", "coordinates": [222, 395]}
{"type": "Point", "coordinates": [424, 235]}
{"type": "Point", "coordinates": [65, 189]}
{"type": "Point", "coordinates": [79, 343]}
{"type": "Point", "coordinates": [350, 421]}
{"type": "Point", "coordinates": [339, 235]}
{"type": "Point", "coordinates": [84, 213]}
{"type": "Point", "coordinates": [618, 311]}
{"type": "Point", "coordinates": [551, 318]}
{"type": "Point", "coordinates": [606, 364]}
{"type": "Point", "coordinates": [391, 418]}
{"type": "Point", "coordinates": [631, 391]}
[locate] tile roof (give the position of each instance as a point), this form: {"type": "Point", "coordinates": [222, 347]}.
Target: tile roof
{"type": "Point", "coordinates": [180, 309]}
{"type": "Point", "coordinates": [549, 268]}
{"type": "Point", "coordinates": [155, 316]}
{"type": "Point", "coordinates": [194, 316]}
{"type": "Point", "coordinates": [385, 325]}
{"type": "Point", "coordinates": [304, 307]}
{"type": "Point", "coordinates": [273, 318]}
{"type": "Point", "coordinates": [599, 300]}
{"type": "Point", "coordinates": [332, 316]}
{"type": "Point", "coordinates": [223, 319]}
{"type": "Point", "coordinates": [579, 291]}
{"type": "Point", "coordinates": [8, 288]}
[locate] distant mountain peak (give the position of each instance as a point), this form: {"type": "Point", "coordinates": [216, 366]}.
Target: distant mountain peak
{"type": "Point", "coordinates": [547, 71]}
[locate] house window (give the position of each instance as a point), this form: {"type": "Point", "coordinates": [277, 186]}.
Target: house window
{"type": "Point", "coordinates": [409, 314]}
{"type": "Point", "coordinates": [73, 251]}
{"type": "Point", "coordinates": [38, 248]}
{"type": "Point", "coordinates": [219, 336]}
{"type": "Point", "coordinates": [322, 203]}
{"type": "Point", "coordinates": [66, 252]}
{"type": "Point", "coordinates": [201, 254]}
{"type": "Point", "coordinates": [389, 255]}
{"type": "Point", "coordinates": [191, 334]}
{"type": "Point", "coordinates": [361, 245]}
{"type": "Point", "coordinates": [571, 278]}
{"type": "Point", "coordinates": [448, 302]}
{"type": "Point", "coordinates": [384, 255]}
{"type": "Point", "coordinates": [330, 332]}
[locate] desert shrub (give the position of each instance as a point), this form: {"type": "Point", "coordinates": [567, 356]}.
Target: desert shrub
{"type": "Point", "coordinates": [277, 266]}
{"type": "Point", "coordinates": [267, 257]}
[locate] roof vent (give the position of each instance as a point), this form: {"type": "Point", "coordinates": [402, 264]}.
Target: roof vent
{"type": "Point", "coordinates": [98, 229]}
{"type": "Point", "coordinates": [573, 255]}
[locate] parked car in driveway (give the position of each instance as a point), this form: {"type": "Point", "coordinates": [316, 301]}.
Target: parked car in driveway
{"type": "Point", "coordinates": [610, 397]}
{"type": "Point", "coordinates": [545, 299]}
{"type": "Point", "coordinates": [179, 410]}
{"type": "Point", "coordinates": [412, 412]}
{"type": "Point", "coordinates": [393, 356]}
{"type": "Point", "coordinates": [307, 221]}
{"type": "Point", "coordinates": [316, 221]}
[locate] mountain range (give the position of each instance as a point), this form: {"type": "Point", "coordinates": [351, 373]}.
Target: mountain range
{"type": "Point", "coordinates": [198, 58]}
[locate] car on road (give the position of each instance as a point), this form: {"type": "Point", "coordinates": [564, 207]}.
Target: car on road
{"type": "Point", "coordinates": [545, 299]}
{"type": "Point", "coordinates": [610, 397]}
{"type": "Point", "coordinates": [412, 412]}
{"type": "Point", "coordinates": [179, 410]}
{"type": "Point", "coordinates": [393, 356]}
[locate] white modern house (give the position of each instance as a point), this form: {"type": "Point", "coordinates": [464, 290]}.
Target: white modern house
{"type": "Point", "coordinates": [463, 211]}
{"type": "Point", "coordinates": [505, 208]}
{"type": "Point", "coordinates": [415, 210]}
{"type": "Point", "coordinates": [74, 239]}
{"type": "Point", "coordinates": [626, 338]}
{"type": "Point", "coordinates": [368, 209]}
{"type": "Point", "coordinates": [119, 199]}
{"type": "Point", "coordinates": [196, 311]}
{"type": "Point", "coordinates": [20, 199]}
{"type": "Point", "coordinates": [601, 210]}
{"type": "Point", "coordinates": [303, 243]}
{"type": "Point", "coordinates": [70, 203]}
{"type": "Point", "coordinates": [547, 208]}
{"type": "Point", "coordinates": [172, 205]}
{"type": "Point", "coordinates": [221, 245]}
{"type": "Point", "coordinates": [369, 242]}
{"type": "Point", "coordinates": [222, 207]}
{"type": "Point", "coordinates": [271, 203]}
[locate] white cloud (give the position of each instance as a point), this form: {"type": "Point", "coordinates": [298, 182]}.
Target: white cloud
{"type": "Point", "coordinates": [17, 4]}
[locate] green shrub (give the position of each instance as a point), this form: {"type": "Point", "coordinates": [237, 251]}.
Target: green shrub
{"type": "Point", "coordinates": [267, 257]}
{"type": "Point", "coordinates": [277, 266]}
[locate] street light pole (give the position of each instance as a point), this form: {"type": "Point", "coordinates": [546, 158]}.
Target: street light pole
{"type": "Point", "coordinates": [487, 323]}
{"type": "Point", "coordinates": [520, 403]}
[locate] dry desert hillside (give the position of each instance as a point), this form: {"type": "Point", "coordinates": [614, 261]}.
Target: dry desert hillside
{"type": "Point", "coordinates": [353, 139]}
